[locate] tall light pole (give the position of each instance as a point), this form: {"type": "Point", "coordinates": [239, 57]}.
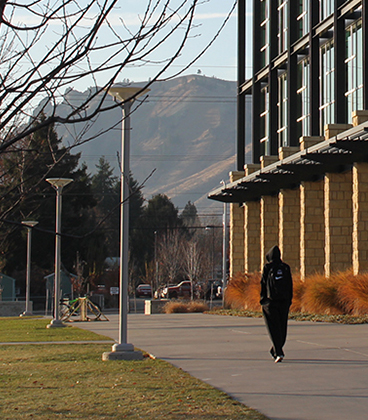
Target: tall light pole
{"type": "Point", "coordinates": [209, 227]}
{"type": "Point", "coordinates": [124, 350]}
{"type": "Point", "coordinates": [224, 250]}
{"type": "Point", "coordinates": [29, 224]}
{"type": "Point", "coordinates": [58, 184]}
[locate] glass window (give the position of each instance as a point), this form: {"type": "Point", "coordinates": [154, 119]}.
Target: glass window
{"type": "Point", "coordinates": [303, 17]}
{"type": "Point", "coordinates": [283, 25]}
{"type": "Point", "coordinates": [354, 68]}
{"type": "Point", "coordinates": [326, 8]}
{"type": "Point", "coordinates": [303, 97]}
{"type": "Point", "coordinates": [264, 26]}
{"type": "Point", "coordinates": [282, 110]}
{"type": "Point", "coordinates": [327, 78]}
{"type": "Point", "coordinates": [264, 121]}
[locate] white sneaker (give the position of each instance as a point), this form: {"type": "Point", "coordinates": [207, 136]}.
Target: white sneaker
{"type": "Point", "coordinates": [278, 359]}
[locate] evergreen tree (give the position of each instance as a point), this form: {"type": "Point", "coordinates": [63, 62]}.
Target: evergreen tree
{"type": "Point", "coordinates": [106, 188]}
{"type": "Point", "coordinates": [189, 215]}
{"type": "Point", "coordinates": [26, 195]}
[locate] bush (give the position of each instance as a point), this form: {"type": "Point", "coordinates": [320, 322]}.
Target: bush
{"type": "Point", "coordinates": [185, 307]}
{"type": "Point", "coordinates": [342, 293]}
{"type": "Point", "coordinates": [243, 292]}
{"type": "Point", "coordinates": [353, 293]}
{"type": "Point", "coordinates": [298, 292]}
{"type": "Point", "coordinates": [320, 296]}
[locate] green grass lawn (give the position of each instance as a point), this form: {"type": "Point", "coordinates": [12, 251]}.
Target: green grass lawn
{"type": "Point", "coordinates": [34, 329]}
{"type": "Point", "coordinates": [51, 381]}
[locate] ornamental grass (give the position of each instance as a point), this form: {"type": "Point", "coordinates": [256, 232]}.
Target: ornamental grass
{"type": "Point", "coordinates": [340, 294]}
{"type": "Point", "coordinates": [182, 306]}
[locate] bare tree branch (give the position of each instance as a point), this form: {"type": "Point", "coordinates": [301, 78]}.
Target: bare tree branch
{"type": "Point", "coordinates": [69, 42]}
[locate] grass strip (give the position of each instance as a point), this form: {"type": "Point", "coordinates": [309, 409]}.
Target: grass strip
{"type": "Point", "coordinates": [51, 381]}
{"type": "Point", "coordinates": [296, 316]}
{"type": "Point", "coordinates": [28, 329]}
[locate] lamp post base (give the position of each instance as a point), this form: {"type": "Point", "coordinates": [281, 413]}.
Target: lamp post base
{"type": "Point", "coordinates": [55, 323]}
{"type": "Point", "coordinates": [122, 352]}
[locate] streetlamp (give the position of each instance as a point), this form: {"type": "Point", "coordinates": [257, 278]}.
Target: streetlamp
{"type": "Point", "coordinates": [58, 184]}
{"type": "Point", "coordinates": [224, 249]}
{"type": "Point", "coordinates": [29, 224]}
{"type": "Point", "coordinates": [124, 350]}
{"type": "Point", "coordinates": [213, 250]}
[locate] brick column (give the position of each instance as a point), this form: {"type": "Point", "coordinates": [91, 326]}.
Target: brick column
{"type": "Point", "coordinates": [236, 232]}
{"type": "Point", "coordinates": [338, 222]}
{"type": "Point", "coordinates": [289, 227]}
{"type": "Point", "coordinates": [360, 218]}
{"type": "Point", "coordinates": [312, 231]}
{"type": "Point", "coordinates": [332, 130]}
{"type": "Point", "coordinates": [269, 224]}
{"type": "Point", "coordinates": [252, 230]}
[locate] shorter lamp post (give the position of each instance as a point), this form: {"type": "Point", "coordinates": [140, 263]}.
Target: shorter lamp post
{"type": "Point", "coordinates": [58, 184]}
{"type": "Point", "coordinates": [29, 224]}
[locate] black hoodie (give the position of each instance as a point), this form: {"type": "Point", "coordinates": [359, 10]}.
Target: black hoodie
{"type": "Point", "coordinates": [273, 257]}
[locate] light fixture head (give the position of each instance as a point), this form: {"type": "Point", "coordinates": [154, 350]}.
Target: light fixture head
{"type": "Point", "coordinates": [29, 223]}
{"type": "Point", "coordinates": [59, 182]}
{"type": "Point", "coordinates": [123, 93]}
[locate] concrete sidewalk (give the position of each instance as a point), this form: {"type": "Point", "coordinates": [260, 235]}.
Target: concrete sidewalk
{"type": "Point", "coordinates": [324, 375]}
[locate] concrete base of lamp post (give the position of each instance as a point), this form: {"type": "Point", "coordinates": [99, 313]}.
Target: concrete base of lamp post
{"type": "Point", "coordinates": [122, 352]}
{"type": "Point", "coordinates": [55, 323]}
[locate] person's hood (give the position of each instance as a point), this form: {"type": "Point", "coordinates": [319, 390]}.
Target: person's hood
{"type": "Point", "coordinates": [273, 254]}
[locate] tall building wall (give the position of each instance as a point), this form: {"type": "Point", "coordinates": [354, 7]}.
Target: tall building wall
{"type": "Point", "coordinates": [309, 100]}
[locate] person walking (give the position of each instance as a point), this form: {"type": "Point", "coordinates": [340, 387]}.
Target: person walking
{"type": "Point", "coordinates": [276, 298]}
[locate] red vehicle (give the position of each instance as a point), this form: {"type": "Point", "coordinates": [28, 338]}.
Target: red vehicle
{"type": "Point", "coordinates": [183, 289]}
{"type": "Point", "coordinates": [143, 290]}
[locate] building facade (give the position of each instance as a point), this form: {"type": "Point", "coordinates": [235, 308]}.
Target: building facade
{"type": "Point", "coordinates": [306, 188]}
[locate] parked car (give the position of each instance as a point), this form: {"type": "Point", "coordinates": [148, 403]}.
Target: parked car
{"type": "Point", "coordinates": [182, 289]}
{"type": "Point", "coordinates": [143, 290]}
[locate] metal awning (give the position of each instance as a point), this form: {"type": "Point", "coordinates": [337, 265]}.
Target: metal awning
{"type": "Point", "coordinates": [330, 156]}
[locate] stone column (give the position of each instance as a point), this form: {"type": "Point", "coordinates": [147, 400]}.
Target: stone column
{"type": "Point", "coordinates": [252, 229]}
{"type": "Point", "coordinates": [312, 230]}
{"type": "Point", "coordinates": [289, 227]}
{"type": "Point", "coordinates": [360, 218]}
{"type": "Point", "coordinates": [332, 130]}
{"type": "Point", "coordinates": [269, 224]}
{"type": "Point", "coordinates": [359, 117]}
{"type": "Point", "coordinates": [338, 222]}
{"type": "Point", "coordinates": [236, 232]}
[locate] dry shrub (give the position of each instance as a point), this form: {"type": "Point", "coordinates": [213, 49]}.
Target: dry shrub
{"type": "Point", "coordinates": [342, 293]}
{"type": "Point", "coordinates": [353, 293]}
{"type": "Point", "coordinates": [243, 292]}
{"type": "Point", "coordinates": [177, 306]}
{"type": "Point", "coordinates": [320, 296]}
{"type": "Point", "coordinates": [298, 292]}
{"type": "Point", "coordinates": [197, 306]}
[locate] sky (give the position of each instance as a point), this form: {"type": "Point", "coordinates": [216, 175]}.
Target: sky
{"type": "Point", "coordinates": [219, 61]}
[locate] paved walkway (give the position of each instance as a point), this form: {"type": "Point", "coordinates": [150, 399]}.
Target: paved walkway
{"type": "Point", "coordinates": [323, 377]}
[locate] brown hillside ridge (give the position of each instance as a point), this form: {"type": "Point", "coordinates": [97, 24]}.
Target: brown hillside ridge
{"type": "Point", "coordinates": [186, 130]}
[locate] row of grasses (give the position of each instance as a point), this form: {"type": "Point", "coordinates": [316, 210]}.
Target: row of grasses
{"type": "Point", "coordinates": [180, 306]}
{"type": "Point", "coordinates": [341, 294]}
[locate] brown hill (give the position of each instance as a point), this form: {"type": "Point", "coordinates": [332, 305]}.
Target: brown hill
{"type": "Point", "coordinates": [186, 130]}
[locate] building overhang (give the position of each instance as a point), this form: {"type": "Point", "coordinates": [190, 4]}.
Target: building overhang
{"type": "Point", "coordinates": [334, 155]}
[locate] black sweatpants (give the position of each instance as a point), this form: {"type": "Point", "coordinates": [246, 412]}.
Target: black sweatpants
{"type": "Point", "coordinates": [275, 314]}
